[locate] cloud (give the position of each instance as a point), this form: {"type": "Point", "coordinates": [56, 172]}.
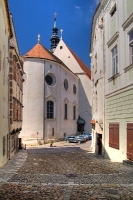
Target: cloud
{"type": "Point", "coordinates": [77, 7]}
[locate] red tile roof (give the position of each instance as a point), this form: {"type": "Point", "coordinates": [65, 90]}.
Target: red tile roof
{"type": "Point", "coordinates": [82, 65]}
{"type": "Point", "coordinates": [39, 51]}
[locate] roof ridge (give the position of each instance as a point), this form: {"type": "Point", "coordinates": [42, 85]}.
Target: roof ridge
{"type": "Point", "coordinates": [81, 63]}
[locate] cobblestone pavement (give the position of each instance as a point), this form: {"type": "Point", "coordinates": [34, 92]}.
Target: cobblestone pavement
{"type": "Point", "coordinates": [64, 172]}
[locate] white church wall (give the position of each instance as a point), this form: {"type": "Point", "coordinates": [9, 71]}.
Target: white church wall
{"type": "Point", "coordinates": [85, 101]}
{"type": "Point", "coordinates": [59, 95]}
{"type": "Point", "coordinates": [33, 98]}
{"type": "Point", "coordinates": [65, 55]}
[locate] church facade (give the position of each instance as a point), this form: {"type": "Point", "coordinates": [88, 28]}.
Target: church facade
{"type": "Point", "coordinates": [50, 96]}
{"type": "Point", "coordinates": [56, 96]}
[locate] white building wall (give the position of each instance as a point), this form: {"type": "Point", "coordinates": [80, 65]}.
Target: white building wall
{"type": "Point", "coordinates": [36, 94]}
{"type": "Point", "coordinates": [33, 98]}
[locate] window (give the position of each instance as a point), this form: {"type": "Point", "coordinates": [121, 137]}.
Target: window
{"type": "Point", "coordinates": [113, 10]}
{"type": "Point", "coordinates": [50, 79]}
{"type": "Point", "coordinates": [114, 135]}
{"type": "Point", "coordinates": [66, 84]}
{"type": "Point", "coordinates": [74, 89]}
{"type": "Point", "coordinates": [65, 111]}
{"type": "Point", "coordinates": [131, 46]}
{"type": "Point", "coordinates": [61, 47]}
{"type": "Point", "coordinates": [114, 61]}
{"type": "Point", "coordinates": [50, 109]}
{"type": "Point", "coordinates": [74, 112]}
{"type": "Point", "coordinates": [4, 145]}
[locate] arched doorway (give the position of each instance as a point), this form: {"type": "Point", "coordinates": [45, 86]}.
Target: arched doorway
{"type": "Point", "coordinates": [80, 124]}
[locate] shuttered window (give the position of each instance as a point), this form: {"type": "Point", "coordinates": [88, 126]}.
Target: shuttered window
{"type": "Point", "coordinates": [114, 135]}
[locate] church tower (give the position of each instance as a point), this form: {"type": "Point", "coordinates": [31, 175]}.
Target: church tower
{"type": "Point", "coordinates": [54, 38]}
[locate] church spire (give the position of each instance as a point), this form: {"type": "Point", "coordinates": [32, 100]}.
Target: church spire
{"type": "Point", "coordinates": [54, 38]}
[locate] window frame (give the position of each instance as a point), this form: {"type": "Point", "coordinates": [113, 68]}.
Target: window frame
{"type": "Point", "coordinates": [131, 47]}
{"type": "Point", "coordinates": [114, 60]}
{"type": "Point", "coordinates": [74, 112]}
{"type": "Point", "coordinates": [50, 109]}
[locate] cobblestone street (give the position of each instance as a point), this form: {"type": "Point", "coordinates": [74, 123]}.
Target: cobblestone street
{"type": "Point", "coordinates": [64, 172]}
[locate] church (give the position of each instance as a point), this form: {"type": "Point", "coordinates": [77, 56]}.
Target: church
{"type": "Point", "coordinates": [56, 92]}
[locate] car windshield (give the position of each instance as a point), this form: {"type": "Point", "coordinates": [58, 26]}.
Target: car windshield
{"type": "Point", "coordinates": [80, 136]}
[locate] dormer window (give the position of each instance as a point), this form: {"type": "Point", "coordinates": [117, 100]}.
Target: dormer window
{"type": "Point", "coordinates": [113, 10]}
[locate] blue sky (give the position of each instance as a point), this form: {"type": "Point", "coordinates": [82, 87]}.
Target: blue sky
{"type": "Point", "coordinates": [33, 17]}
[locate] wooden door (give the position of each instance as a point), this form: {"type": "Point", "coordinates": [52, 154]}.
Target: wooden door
{"type": "Point", "coordinates": [130, 141]}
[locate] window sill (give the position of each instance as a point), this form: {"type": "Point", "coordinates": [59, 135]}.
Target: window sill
{"type": "Point", "coordinates": [128, 68]}
{"type": "Point", "coordinates": [50, 119]}
{"type": "Point", "coordinates": [114, 77]}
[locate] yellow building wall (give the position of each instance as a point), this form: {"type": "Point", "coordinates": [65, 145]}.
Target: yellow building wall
{"type": "Point", "coordinates": [129, 7]}
{"type": "Point", "coordinates": [119, 108]}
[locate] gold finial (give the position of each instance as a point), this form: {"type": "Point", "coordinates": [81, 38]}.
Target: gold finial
{"type": "Point", "coordinates": [39, 36]}
{"type": "Point", "coordinates": [61, 33]}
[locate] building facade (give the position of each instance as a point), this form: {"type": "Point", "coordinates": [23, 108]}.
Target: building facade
{"type": "Point", "coordinates": [50, 96]}
{"type": "Point", "coordinates": [6, 33]}
{"type": "Point", "coordinates": [113, 22]}
{"type": "Point", "coordinates": [15, 91]}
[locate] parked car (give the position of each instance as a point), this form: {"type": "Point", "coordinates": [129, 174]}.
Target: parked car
{"type": "Point", "coordinates": [71, 139]}
{"type": "Point", "coordinates": [81, 138]}
{"type": "Point", "coordinates": [89, 136]}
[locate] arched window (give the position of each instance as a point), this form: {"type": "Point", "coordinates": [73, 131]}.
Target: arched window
{"type": "Point", "coordinates": [74, 89]}
{"type": "Point", "coordinates": [50, 109]}
{"type": "Point", "coordinates": [65, 111]}
{"type": "Point", "coordinates": [74, 112]}
{"type": "Point", "coordinates": [66, 84]}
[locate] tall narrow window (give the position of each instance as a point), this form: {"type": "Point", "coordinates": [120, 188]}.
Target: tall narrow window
{"type": "Point", "coordinates": [74, 112]}
{"type": "Point", "coordinates": [114, 61]}
{"type": "Point", "coordinates": [50, 109]}
{"type": "Point", "coordinates": [65, 111]}
{"type": "Point", "coordinates": [4, 145]}
{"type": "Point", "coordinates": [131, 46]}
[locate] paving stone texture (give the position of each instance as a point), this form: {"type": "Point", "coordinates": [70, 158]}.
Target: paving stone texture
{"type": "Point", "coordinates": [64, 172]}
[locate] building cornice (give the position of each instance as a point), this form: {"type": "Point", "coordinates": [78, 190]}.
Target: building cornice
{"type": "Point", "coordinates": [128, 22]}
{"type": "Point", "coordinates": [8, 17]}
{"type": "Point", "coordinates": [113, 39]}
